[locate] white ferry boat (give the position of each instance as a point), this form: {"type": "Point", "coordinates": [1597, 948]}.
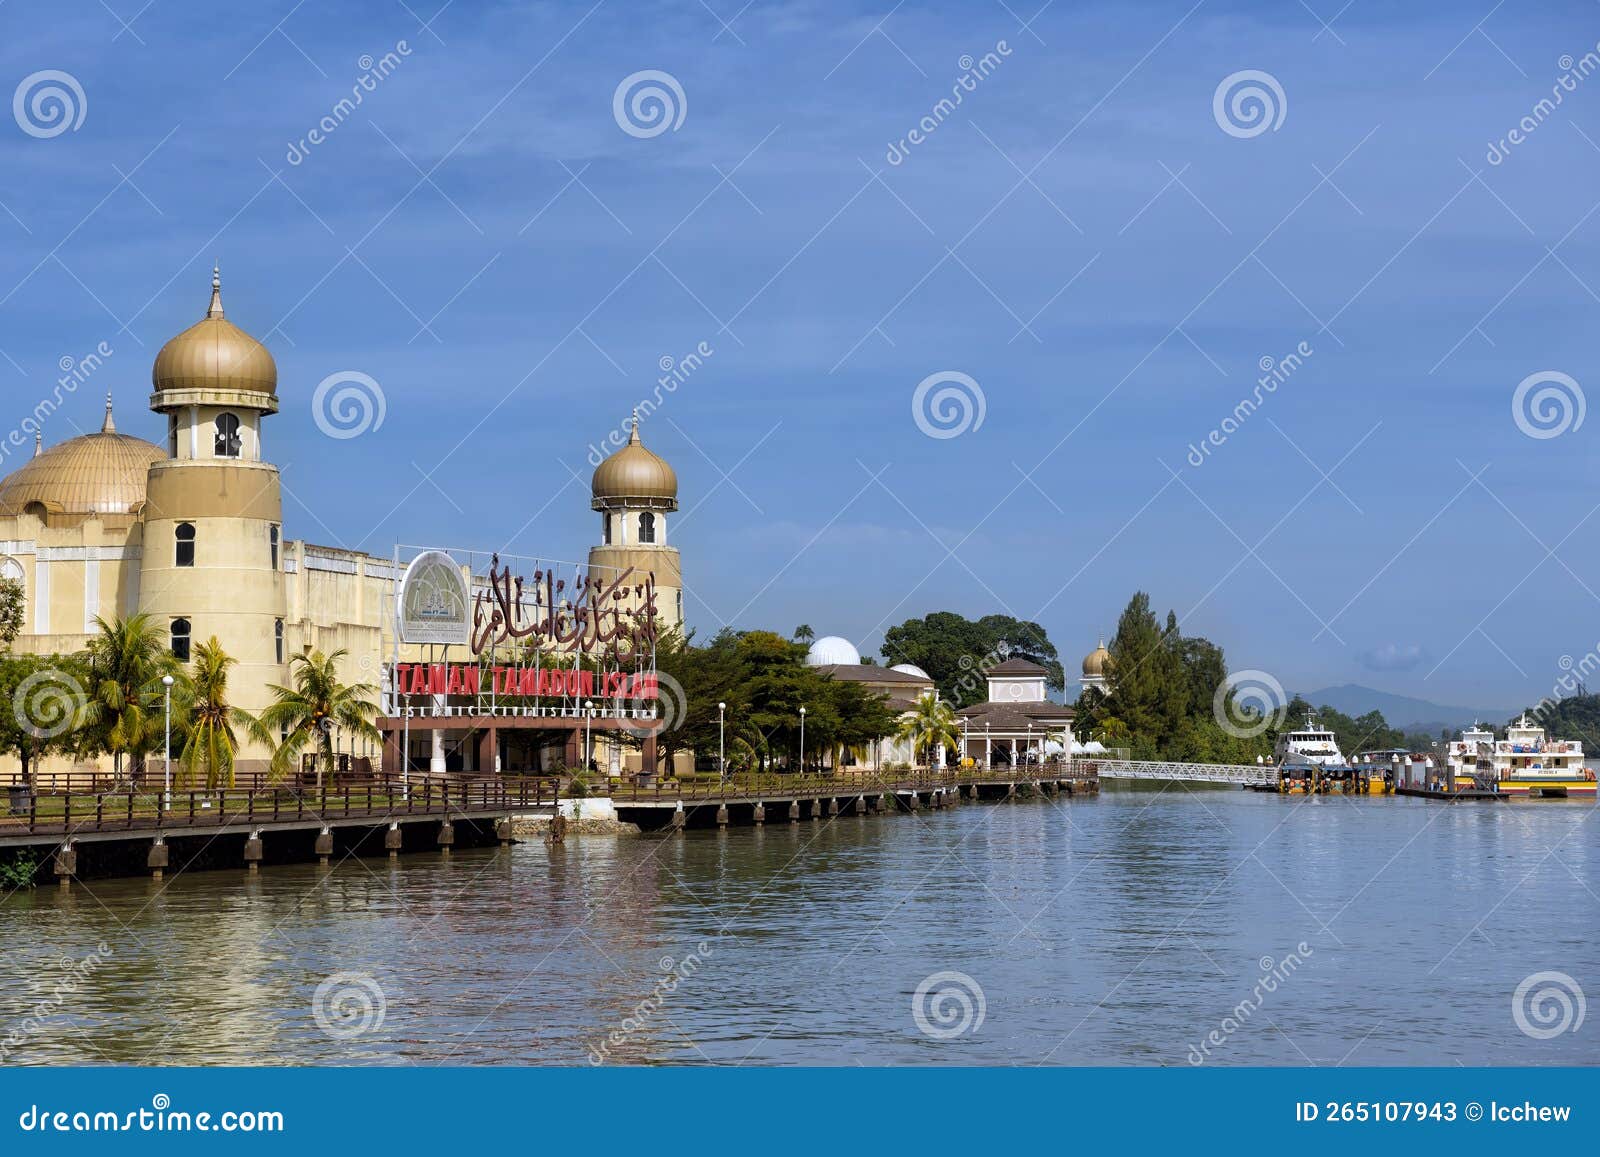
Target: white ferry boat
{"type": "Point", "coordinates": [1309, 760]}
{"type": "Point", "coordinates": [1527, 765]}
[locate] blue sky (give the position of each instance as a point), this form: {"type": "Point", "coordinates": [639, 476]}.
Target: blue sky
{"type": "Point", "coordinates": [1080, 237]}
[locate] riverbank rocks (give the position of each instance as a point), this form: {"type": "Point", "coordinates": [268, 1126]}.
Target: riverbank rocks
{"type": "Point", "coordinates": [539, 826]}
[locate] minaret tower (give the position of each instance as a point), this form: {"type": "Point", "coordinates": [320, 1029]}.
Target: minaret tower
{"type": "Point", "coordinates": [634, 490]}
{"type": "Point", "coordinates": [213, 518]}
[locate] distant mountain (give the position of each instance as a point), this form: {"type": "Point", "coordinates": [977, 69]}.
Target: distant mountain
{"type": "Point", "coordinates": [1404, 711]}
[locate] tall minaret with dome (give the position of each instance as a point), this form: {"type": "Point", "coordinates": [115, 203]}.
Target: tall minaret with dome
{"type": "Point", "coordinates": [634, 490]}
{"type": "Point", "coordinates": [213, 516]}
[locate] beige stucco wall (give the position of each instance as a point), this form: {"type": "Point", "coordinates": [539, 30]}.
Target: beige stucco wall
{"type": "Point", "coordinates": [72, 569]}
{"type": "Point", "coordinates": [232, 591]}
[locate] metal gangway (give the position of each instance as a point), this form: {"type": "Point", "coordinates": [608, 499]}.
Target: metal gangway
{"type": "Point", "coordinates": [1240, 773]}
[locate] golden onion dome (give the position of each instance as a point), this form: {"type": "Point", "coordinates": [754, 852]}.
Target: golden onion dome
{"type": "Point", "coordinates": [215, 354]}
{"type": "Point", "coordinates": [634, 475]}
{"type": "Point", "coordinates": [1094, 663]}
{"type": "Point", "coordinates": [100, 473]}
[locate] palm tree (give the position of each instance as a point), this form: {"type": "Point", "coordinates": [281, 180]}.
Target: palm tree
{"type": "Point", "coordinates": [126, 662]}
{"type": "Point", "coordinates": [307, 712]}
{"type": "Point", "coordinates": [804, 634]}
{"type": "Point", "coordinates": [210, 723]}
{"type": "Point", "coordinates": [931, 724]}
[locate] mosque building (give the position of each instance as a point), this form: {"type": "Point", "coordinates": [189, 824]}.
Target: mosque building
{"type": "Point", "coordinates": [190, 532]}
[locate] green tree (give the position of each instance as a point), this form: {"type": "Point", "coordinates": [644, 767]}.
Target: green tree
{"type": "Point", "coordinates": [957, 652]}
{"type": "Point", "coordinates": [864, 717]}
{"type": "Point", "coordinates": [308, 711]}
{"type": "Point", "coordinates": [777, 683]}
{"type": "Point", "coordinates": [763, 680]}
{"type": "Point", "coordinates": [13, 603]}
{"type": "Point", "coordinates": [1204, 670]}
{"type": "Point", "coordinates": [1144, 679]}
{"type": "Point", "coordinates": [125, 710]}
{"type": "Point", "coordinates": [804, 634]}
{"type": "Point", "coordinates": [929, 726]}
{"type": "Point", "coordinates": [210, 724]}
{"type": "Point", "coordinates": [44, 707]}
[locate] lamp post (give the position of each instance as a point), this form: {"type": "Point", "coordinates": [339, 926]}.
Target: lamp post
{"type": "Point", "coordinates": [166, 785]}
{"type": "Point", "coordinates": [722, 764]}
{"type": "Point", "coordinates": [588, 732]}
{"type": "Point", "coordinates": [802, 739]}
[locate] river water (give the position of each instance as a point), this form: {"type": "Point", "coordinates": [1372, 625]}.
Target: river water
{"type": "Point", "coordinates": [1138, 928]}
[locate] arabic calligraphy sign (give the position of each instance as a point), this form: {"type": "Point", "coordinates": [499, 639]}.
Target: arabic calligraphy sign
{"type": "Point", "coordinates": [613, 612]}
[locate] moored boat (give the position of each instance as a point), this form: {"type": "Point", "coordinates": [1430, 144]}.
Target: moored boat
{"type": "Point", "coordinates": [1378, 771]}
{"type": "Point", "coordinates": [1526, 765]}
{"type": "Point", "coordinates": [1310, 762]}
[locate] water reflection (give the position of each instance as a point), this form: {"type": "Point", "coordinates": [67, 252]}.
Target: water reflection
{"type": "Point", "coordinates": [1118, 930]}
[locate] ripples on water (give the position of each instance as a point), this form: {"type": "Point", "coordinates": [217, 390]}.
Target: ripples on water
{"type": "Point", "coordinates": [1117, 930]}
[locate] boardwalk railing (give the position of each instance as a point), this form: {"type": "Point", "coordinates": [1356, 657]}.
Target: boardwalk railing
{"type": "Point", "coordinates": [1238, 773]}
{"type": "Point", "coordinates": [823, 786]}
{"type": "Point", "coordinates": [71, 813]}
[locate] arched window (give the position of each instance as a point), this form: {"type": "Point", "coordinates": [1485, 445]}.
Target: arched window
{"type": "Point", "coordinates": [180, 640]}
{"type": "Point", "coordinates": [277, 634]}
{"type": "Point", "coordinates": [605, 522]}
{"type": "Point", "coordinates": [272, 539]}
{"type": "Point", "coordinates": [183, 553]}
{"type": "Point", "coordinates": [228, 441]}
{"type": "Point", "coordinates": [647, 527]}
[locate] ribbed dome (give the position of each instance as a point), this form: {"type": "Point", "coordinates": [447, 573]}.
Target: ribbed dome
{"type": "Point", "coordinates": [910, 669]}
{"type": "Point", "coordinates": [634, 474]}
{"type": "Point", "coordinates": [100, 473]}
{"type": "Point", "coordinates": [215, 354]}
{"type": "Point", "coordinates": [1094, 663]}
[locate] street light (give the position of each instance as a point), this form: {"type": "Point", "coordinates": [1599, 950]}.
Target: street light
{"type": "Point", "coordinates": [166, 790]}
{"type": "Point", "coordinates": [722, 764]}
{"type": "Point", "coordinates": [802, 739]}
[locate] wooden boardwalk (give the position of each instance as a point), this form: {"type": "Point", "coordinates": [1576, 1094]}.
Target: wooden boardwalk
{"type": "Point", "coordinates": [52, 818]}
{"type": "Point", "coordinates": [814, 797]}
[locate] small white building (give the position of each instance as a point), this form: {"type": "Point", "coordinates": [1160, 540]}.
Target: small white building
{"type": "Point", "coordinates": [1019, 723]}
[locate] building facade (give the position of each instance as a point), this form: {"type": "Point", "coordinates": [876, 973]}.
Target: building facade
{"type": "Point", "coordinates": [190, 532]}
